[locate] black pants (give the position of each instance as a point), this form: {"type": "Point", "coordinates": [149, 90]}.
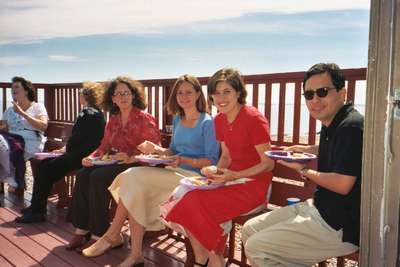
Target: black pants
{"type": "Point", "coordinates": [91, 198]}
{"type": "Point", "coordinates": [47, 173]}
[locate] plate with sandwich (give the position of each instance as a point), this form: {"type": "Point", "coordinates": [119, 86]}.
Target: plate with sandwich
{"type": "Point", "coordinates": [290, 156]}
{"type": "Point", "coordinates": [199, 182]}
{"type": "Point", "coordinates": [155, 159]}
{"type": "Point", "coordinates": [106, 159]}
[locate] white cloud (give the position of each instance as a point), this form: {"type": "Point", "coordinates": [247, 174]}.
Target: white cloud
{"type": "Point", "coordinates": [15, 60]}
{"type": "Point", "coordinates": [27, 20]}
{"type": "Point", "coordinates": [63, 58]}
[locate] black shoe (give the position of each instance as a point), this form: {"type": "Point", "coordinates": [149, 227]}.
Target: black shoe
{"type": "Point", "coordinates": [30, 217]}
{"type": "Point", "coordinates": [26, 210]}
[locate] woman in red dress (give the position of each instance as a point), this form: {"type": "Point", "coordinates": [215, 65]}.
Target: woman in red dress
{"type": "Point", "coordinates": [244, 135]}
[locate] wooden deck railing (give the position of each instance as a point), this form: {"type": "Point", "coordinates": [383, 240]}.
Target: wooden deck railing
{"type": "Point", "coordinates": [277, 96]}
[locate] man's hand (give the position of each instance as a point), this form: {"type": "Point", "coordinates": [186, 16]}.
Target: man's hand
{"type": "Point", "coordinates": [303, 148]}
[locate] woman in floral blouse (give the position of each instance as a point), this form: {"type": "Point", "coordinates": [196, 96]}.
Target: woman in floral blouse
{"type": "Point", "coordinates": [127, 127]}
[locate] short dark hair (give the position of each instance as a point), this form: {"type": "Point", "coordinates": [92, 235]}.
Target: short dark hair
{"type": "Point", "coordinates": [136, 88]}
{"type": "Point", "coordinates": [172, 104]}
{"type": "Point", "coordinates": [231, 76]}
{"type": "Point", "coordinates": [27, 85]}
{"type": "Point", "coordinates": [332, 69]}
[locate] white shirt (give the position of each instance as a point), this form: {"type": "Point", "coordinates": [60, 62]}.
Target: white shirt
{"type": "Point", "coordinates": [34, 138]}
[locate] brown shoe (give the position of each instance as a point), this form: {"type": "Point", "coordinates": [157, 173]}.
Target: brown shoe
{"type": "Point", "coordinates": [77, 241]}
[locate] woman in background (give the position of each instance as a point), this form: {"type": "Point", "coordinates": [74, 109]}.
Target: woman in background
{"type": "Point", "coordinates": [85, 138]}
{"type": "Point", "coordinates": [25, 122]}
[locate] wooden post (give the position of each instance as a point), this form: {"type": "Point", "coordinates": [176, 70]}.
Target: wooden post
{"type": "Point", "coordinates": [381, 160]}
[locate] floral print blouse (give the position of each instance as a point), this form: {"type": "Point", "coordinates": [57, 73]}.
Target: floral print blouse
{"type": "Point", "coordinates": [141, 126]}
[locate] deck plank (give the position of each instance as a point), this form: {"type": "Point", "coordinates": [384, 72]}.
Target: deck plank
{"type": "Point", "coordinates": [4, 262]}
{"type": "Point", "coordinates": [15, 255]}
{"type": "Point", "coordinates": [52, 234]}
{"type": "Point", "coordinates": [29, 246]}
{"type": "Point", "coordinates": [51, 237]}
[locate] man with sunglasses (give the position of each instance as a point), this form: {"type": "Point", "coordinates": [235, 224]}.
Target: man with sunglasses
{"type": "Point", "coordinates": [328, 225]}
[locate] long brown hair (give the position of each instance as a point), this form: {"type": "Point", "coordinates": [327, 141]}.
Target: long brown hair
{"type": "Point", "coordinates": [172, 105]}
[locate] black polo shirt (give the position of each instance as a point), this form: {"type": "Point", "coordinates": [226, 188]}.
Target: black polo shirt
{"type": "Point", "coordinates": [340, 151]}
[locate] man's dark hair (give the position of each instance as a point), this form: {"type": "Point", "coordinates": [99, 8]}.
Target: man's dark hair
{"type": "Point", "coordinates": [27, 85]}
{"type": "Point", "coordinates": [332, 69]}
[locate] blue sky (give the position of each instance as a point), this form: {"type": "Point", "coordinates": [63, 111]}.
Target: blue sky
{"type": "Point", "coordinates": [255, 38]}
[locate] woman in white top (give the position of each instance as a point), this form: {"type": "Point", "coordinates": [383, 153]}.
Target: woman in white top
{"type": "Point", "coordinates": [27, 119]}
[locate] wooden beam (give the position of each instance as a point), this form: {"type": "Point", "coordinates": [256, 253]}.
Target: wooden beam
{"type": "Point", "coordinates": [381, 159]}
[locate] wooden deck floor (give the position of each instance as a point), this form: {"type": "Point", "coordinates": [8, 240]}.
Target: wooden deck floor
{"type": "Point", "coordinates": [43, 244]}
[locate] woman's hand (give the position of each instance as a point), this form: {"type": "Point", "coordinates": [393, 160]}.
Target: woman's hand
{"type": "Point", "coordinates": [17, 108]}
{"type": "Point", "coordinates": [3, 125]}
{"type": "Point", "coordinates": [147, 147]}
{"type": "Point", "coordinates": [130, 160]}
{"type": "Point", "coordinates": [61, 150]}
{"type": "Point", "coordinates": [176, 162]}
{"type": "Point", "coordinates": [87, 162]}
{"type": "Point", "coordinates": [209, 171]}
{"type": "Point", "coordinates": [224, 175]}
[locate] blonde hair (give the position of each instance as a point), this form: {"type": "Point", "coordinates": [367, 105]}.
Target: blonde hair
{"type": "Point", "coordinates": [93, 93]}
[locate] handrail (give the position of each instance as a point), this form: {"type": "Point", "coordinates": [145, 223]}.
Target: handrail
{"type": "Point", "coordinates": [276, 95]}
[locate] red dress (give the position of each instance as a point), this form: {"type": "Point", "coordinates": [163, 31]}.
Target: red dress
{"type": "Point", "coordinates": [141, 126]}
{"type": "Point", "coordinates": [202, 211]}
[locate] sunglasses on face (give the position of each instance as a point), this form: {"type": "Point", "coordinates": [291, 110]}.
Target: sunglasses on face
{"type": "Point", "coordinates": [320, 92]}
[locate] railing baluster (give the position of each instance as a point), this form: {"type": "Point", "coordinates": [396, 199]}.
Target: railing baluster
{"type": "Point", "coordinates": [281, 115]}
{"type": "Point", "coordinates": [255, 95]}
{"type": "Point", "coordinates": [267, 100]}
{"type": "Point", "coordinates": [297, 112]}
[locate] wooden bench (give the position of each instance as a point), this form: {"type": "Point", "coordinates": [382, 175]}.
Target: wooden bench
{"type": "Point", "coordinates": [57, 134]}
{"type": "Point", "coordinates": [285, 183]}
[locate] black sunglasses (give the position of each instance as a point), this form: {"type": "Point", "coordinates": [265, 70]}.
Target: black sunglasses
{"type": "Point", "coordinates": [320, 92]}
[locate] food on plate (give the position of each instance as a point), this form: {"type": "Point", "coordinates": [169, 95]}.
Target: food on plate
{"type": "Point", "coordinates": [298, 155]}
{"type": "Point", "coordinates": [154, 156]}
{"type": "Point", "coordinates": [210, 170]}
{"type": "Point", "coordinates": [106, 157]}
{"type": "Point", "coordinates": [199, 181]}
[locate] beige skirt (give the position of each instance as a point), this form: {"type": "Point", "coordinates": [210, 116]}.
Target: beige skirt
{"type": "Point", "coordinates": [143, 189]}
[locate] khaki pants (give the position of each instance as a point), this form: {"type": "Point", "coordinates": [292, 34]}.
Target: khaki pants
{"type": "Point", "coordinates": [295, 235]}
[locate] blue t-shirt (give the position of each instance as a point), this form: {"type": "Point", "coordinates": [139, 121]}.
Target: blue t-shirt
{"type": "Point", "coordinates": [197, 142]}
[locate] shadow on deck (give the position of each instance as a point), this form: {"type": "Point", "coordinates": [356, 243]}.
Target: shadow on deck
{"type": "Point", "coordinates": [43, 244]}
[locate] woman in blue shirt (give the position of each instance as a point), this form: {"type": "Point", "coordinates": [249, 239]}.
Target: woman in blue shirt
{"type": "Point", "coordinates": [139, 191]}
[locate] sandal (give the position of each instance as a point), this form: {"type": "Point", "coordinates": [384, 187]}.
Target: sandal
{"type": "Point", "coordinates": [102, 245]}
